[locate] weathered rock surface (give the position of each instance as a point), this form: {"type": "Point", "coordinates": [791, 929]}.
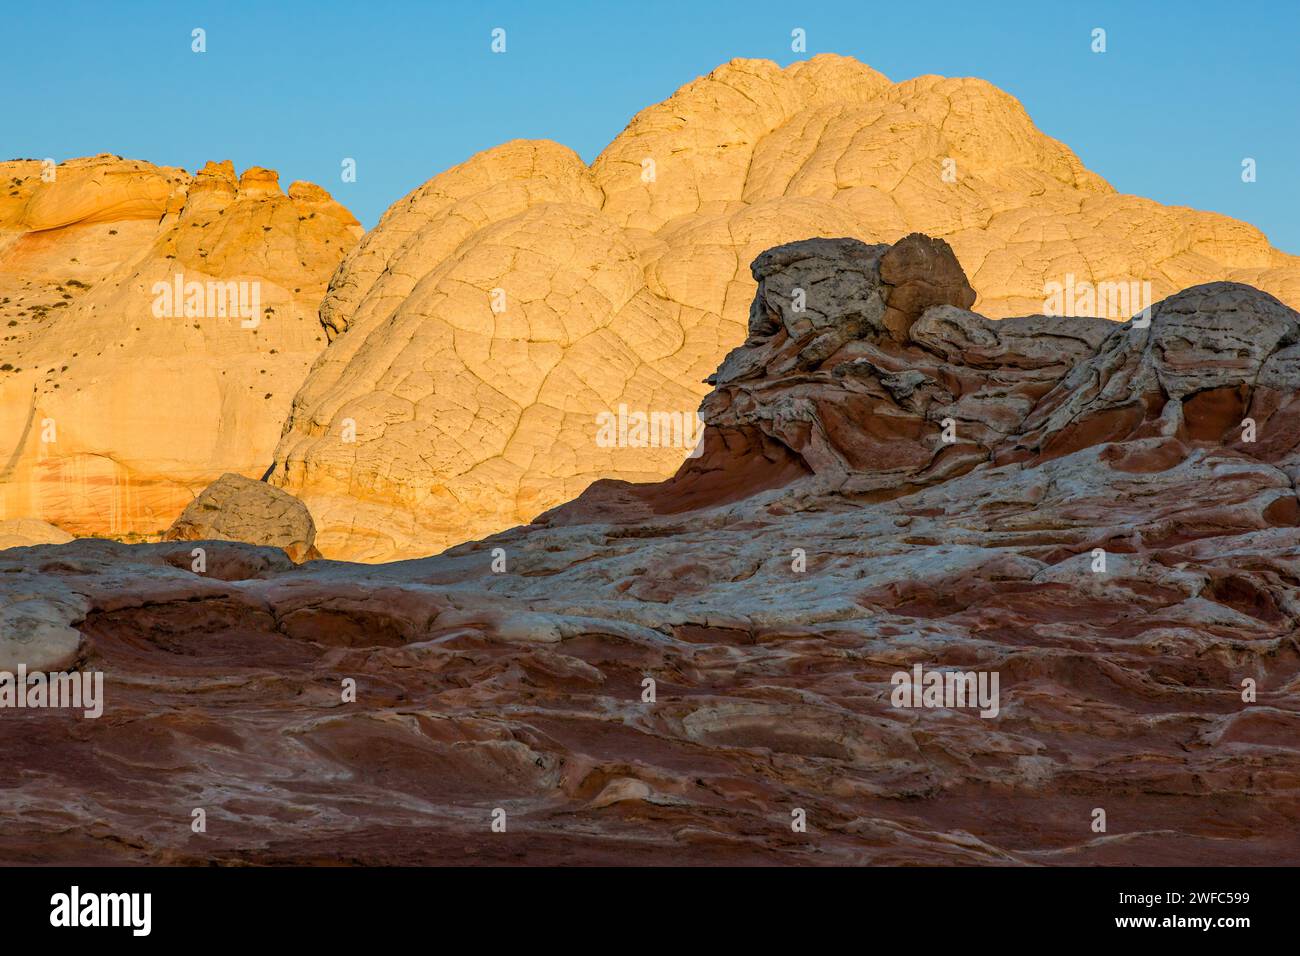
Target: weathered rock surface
{"type": "Point", "coordinates": [235, 508]}
{"type": "Point", "coordinates": [112, 416]}
{"type": "Point", "coordinates": [479, 330]}
{"type": "Point", "coordinates": [828, 540]}
{"type": "Point", "coordinates": [23, 532]}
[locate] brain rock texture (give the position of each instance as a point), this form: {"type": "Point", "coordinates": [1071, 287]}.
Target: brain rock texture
{"type": "Point", "coordinates": [827, 541]}
{"type": "Point", "coordinates": [479, 330]}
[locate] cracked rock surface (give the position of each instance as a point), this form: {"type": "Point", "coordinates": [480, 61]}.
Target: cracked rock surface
{"type": "Point", "coordinates": [495, 311]}
{"type": "Point", "coordinates": [827, 540]}
{"type": "Point", "coordinates": [235, 508]}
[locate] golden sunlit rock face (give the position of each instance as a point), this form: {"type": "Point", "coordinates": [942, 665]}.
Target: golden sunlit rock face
{"type": "Point", "coordinates": [153, 328]}
{"type": "Point", "coordinates": [496, 312]}
{"type": "Point", "coordinates": [664, 672]}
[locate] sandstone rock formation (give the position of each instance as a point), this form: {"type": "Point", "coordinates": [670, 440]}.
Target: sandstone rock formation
{"type": "Point", "coordinates": [479, 330]}
{"type": "Point", "coordinates": [23, 532]}
{"type": "Point", "coordinates": [235, 508]}
{"type": "Point", "coordinates": [112, 416]}
{"type": "Point", "coordinates": [1101, 535]}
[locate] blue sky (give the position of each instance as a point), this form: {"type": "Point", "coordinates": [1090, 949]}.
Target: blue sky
{"type": "Point", "coordinates": [1184, 92]}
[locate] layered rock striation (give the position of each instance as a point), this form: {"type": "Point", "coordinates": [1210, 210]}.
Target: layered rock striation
{"type": "Point", "coordinates": [1101, 516]}
{"type": "Point", "coordinates": [497, 311]}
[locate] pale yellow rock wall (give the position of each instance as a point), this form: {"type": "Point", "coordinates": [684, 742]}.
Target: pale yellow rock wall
{"type": "Point", "coordinates": [621, 287]}
{"type": "Point", "coordinates": [112, 419]}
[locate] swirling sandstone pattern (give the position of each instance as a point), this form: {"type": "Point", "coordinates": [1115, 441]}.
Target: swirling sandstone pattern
{"type": "Point", "coordinates": [522, 688]}
{"type": "Point", "coordinates": [111, 418]}
{"type": "Point", "coordinates": [496, 310]}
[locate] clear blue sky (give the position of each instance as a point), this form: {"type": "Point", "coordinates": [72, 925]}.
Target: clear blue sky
{"type": "Point", "coordinates": [1184, 92]}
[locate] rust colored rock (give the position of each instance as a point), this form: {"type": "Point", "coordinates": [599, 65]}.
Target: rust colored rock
{"type": "Point", "coordinates": [858, 390]}
{"type": "Point", "coordinates": [1192, 369]}
{"type": "Point", "coordinates": [921, 272]}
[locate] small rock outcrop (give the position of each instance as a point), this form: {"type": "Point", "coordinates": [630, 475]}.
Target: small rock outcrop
{"type": "Point", "coordinates": [25, 532]}
{"type": "Point", "coordinates": [826, 386]}
{"type": "Point", "coordinates": [1211, 363]}
{"type": "Point", "coordinates": [920, 271]}
{"type": "Point", "coordinates": [235, 508]}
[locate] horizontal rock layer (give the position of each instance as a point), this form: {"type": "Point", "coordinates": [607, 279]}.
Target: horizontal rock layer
{"type": "Point", "coordinates": [1103, 533]}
